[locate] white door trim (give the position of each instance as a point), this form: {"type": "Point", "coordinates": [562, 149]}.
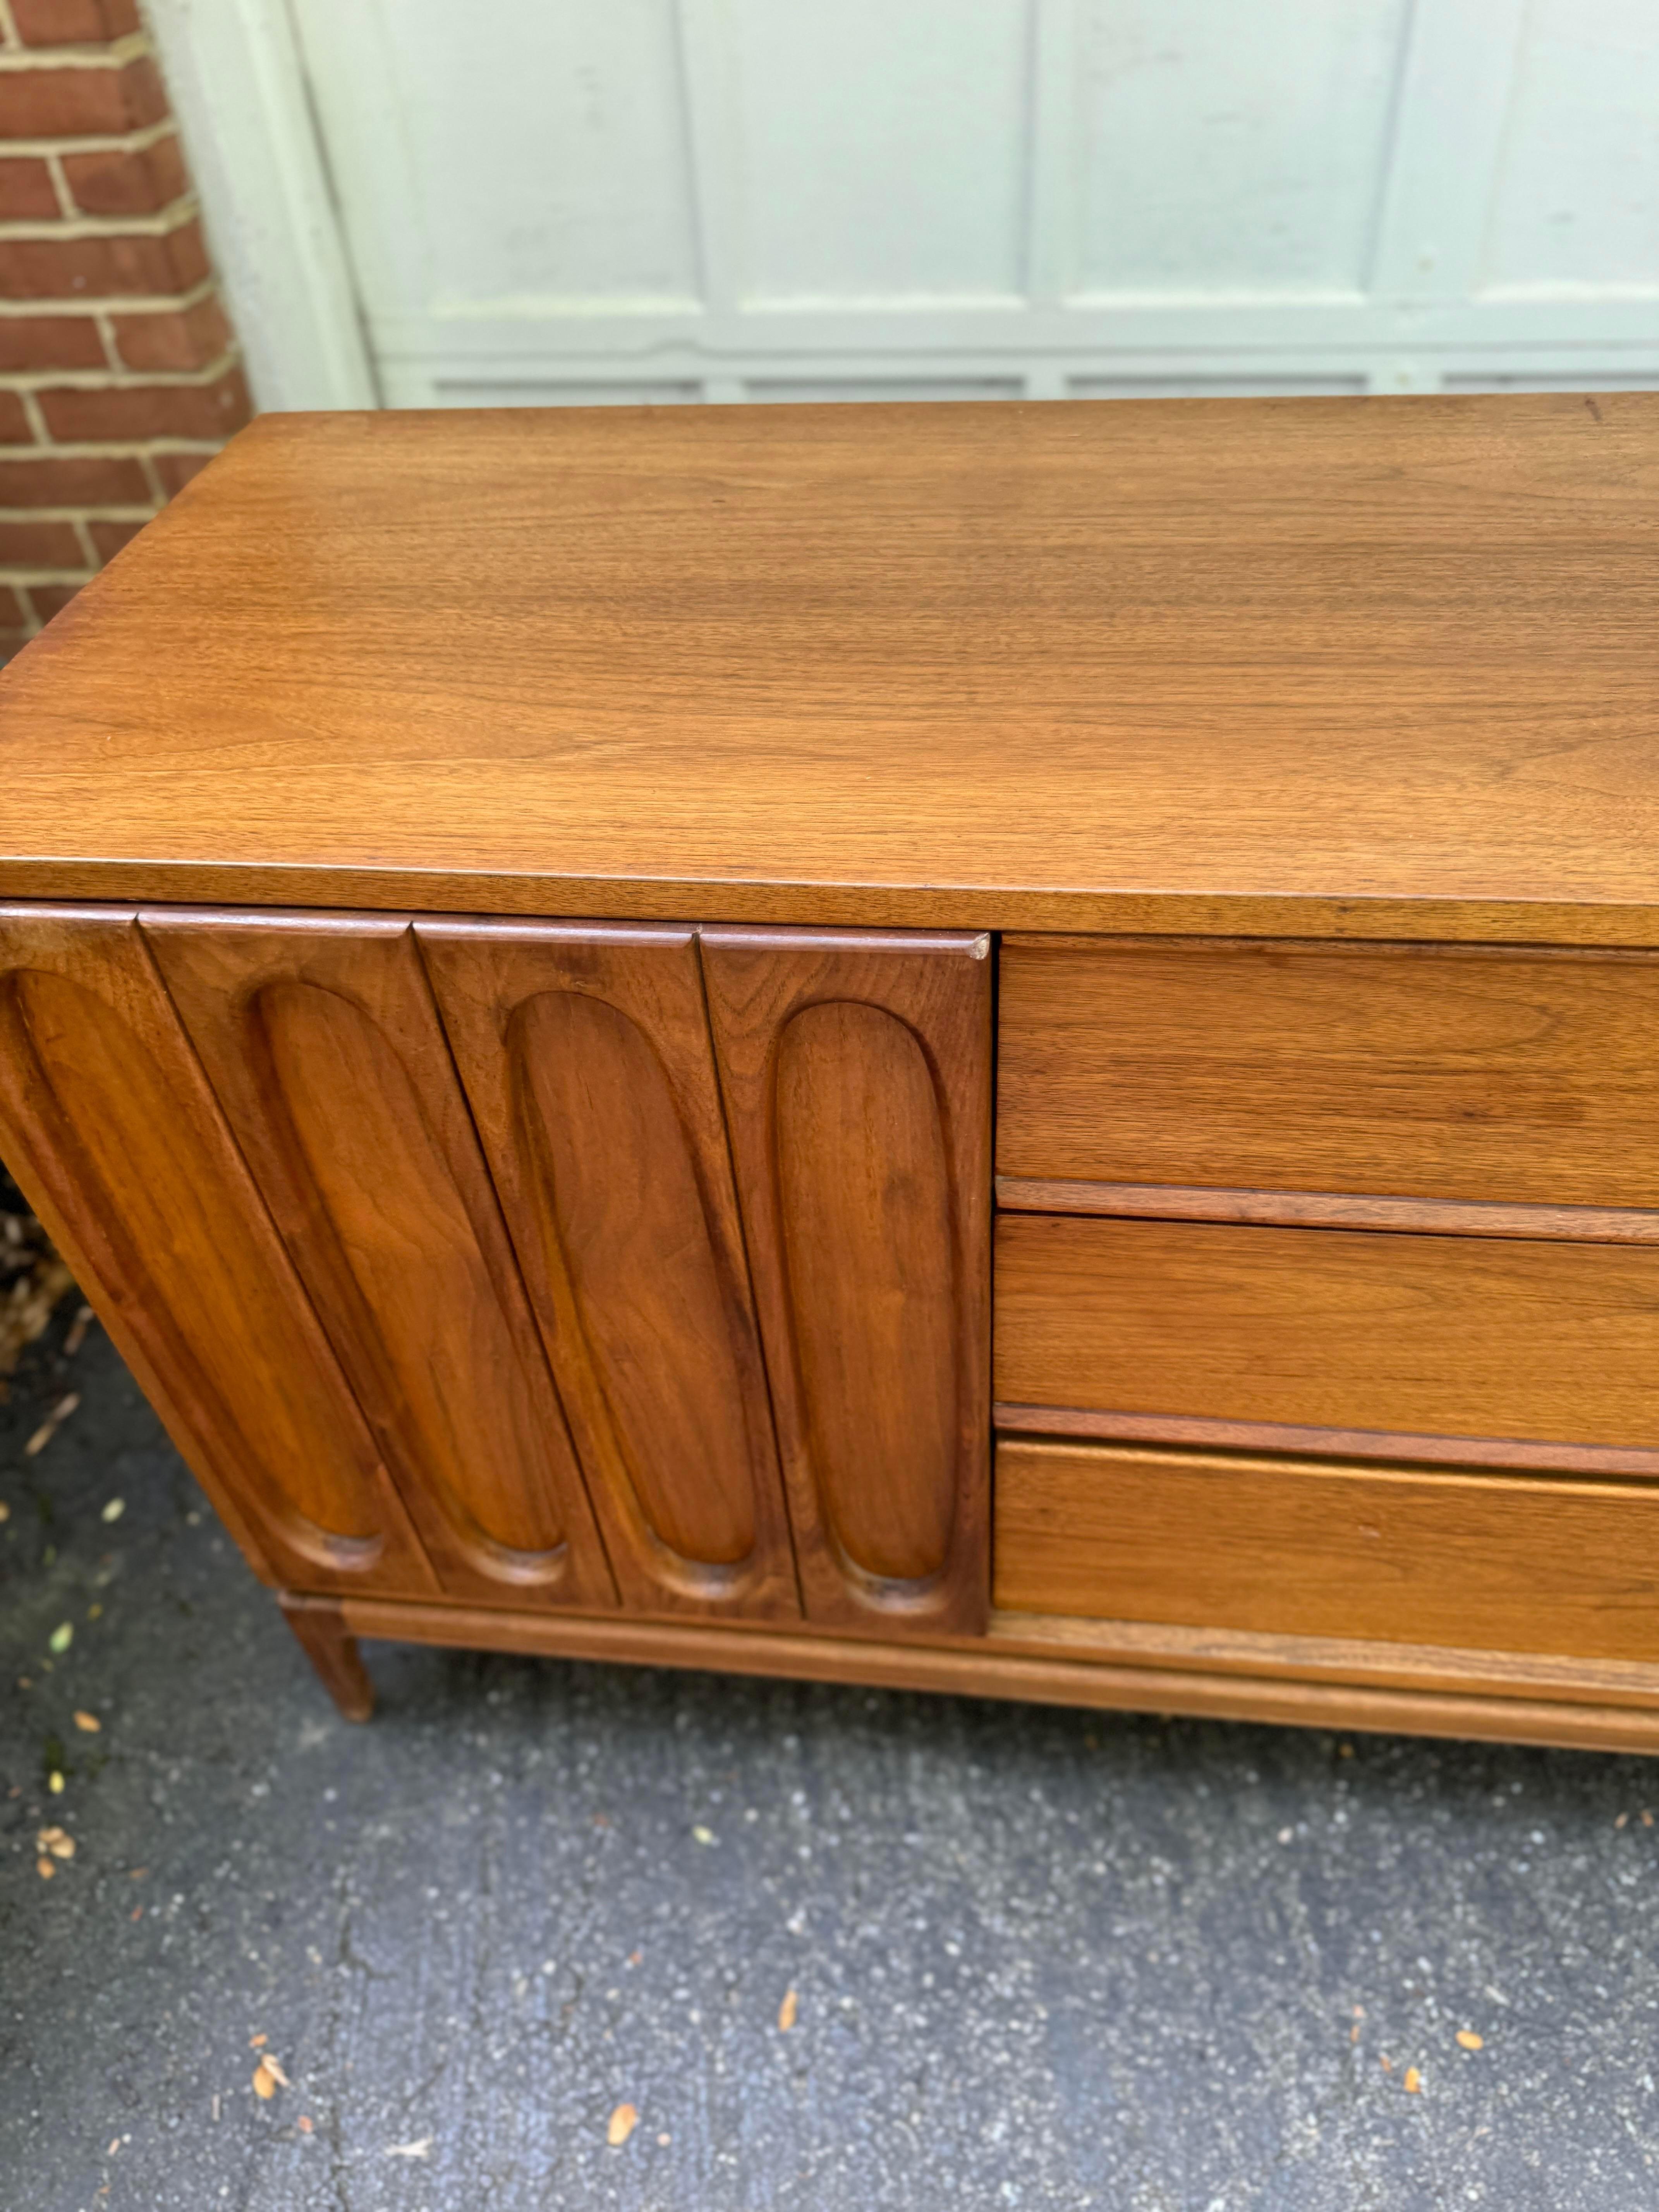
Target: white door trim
{"type": "Point", "coordinates": [234, 72]}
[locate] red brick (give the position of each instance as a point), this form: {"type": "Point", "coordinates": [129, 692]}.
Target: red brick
{"type": "Point", "coordinates": [15, 426]}
{"type": "Point", "coordinates": [50, 599]}
{"type": "Point", "coordinates": [176, 470]}
{"type": "Point", "coordinates": [12, 613]}
{"type": "Point", "coordinates": [73, 480]}
{"type": "Point", "coordinates": [26, 191]}
{"type": "Point", "coordinates": [79, 103]}
{"type": "Point", "coordinates": [116, 182]}
{"type": "Point", "coordinates": [58, 268]}
{"type": "Point", "coordinates": [182, 337]}
{"type": "Point", "coordinates": [108, 537]}
{"type": "Point", "coordinates": [127, 412]}
{"type": "Point", "coordinates": [48, 544]}
{"type": "Point", "coordinates": [73, 22]}
{"type": "Point", "coordinates": [50, 342]}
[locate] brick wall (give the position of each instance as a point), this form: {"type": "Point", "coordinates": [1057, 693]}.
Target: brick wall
{"type": "Point", "coordinates": [118, 371]}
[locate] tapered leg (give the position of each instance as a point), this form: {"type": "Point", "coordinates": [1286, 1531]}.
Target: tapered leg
{"type": "Point", "coordinates": [332, 1651]}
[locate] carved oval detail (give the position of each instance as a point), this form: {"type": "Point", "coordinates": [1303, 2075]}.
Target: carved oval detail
{"type": "Point", "coordinates": [865, 1208]}
{"type": "Point", "coordinates": [454, 1386]}
{"type": "Point", "coordinates": [653, 1304]}
{"type": "Point", "coordinates": [177, 1211]}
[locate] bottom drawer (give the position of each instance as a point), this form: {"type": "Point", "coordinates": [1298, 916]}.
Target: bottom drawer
{"type": "Point", "coordinates": [1483, 1562]}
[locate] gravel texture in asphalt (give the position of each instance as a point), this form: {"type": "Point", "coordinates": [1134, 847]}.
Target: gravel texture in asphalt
{"type": "Point", "coordinates": [1031, 1958]}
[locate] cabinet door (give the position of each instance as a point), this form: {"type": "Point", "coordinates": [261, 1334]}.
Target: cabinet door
{"type": "Point", "coordinates": [320, 1035]}
{"type": "Point", "coordinates": [585, 1052]}
{"type": "Point", "coordinates": [857, 1075]}
{"type": "Point", "coordinates": [106, 1120]}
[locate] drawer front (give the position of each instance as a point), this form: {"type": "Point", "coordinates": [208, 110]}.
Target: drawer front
{"type": "Point", "coordinates": [1480, 1075]}
{"type": "Point", "coordinates": [1482, 1561]}
{"type": "Point", "coordinates": [1513, 1351]}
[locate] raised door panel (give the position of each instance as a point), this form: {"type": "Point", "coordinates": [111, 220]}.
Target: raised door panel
{"type": "Point", "coordinates": [108, 1122]}
{"type": "Point", "coordinates": [585, 1052]}
{"type": "Point", "coordinates": [857, 1076]}
{"type": "Point", "coordinates": [320, 1035]}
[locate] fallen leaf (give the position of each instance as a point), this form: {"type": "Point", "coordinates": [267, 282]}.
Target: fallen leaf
{"type": "Point", "coordinates": [273, 2067]}
{"type": "Point", "coordinates": [1620, 1820]}
{"type": "Point", "coordinates": [78, 1332]}
{"type": "Point", "coordinates": [61, 1638]}
{"type": "Point", "coordinates": [304, 2125]}
{"type": "Point", "coordinates": [421, 2149]}
{"type": "Point", "coordinates": [1413, 2081]}
{"type": "Point", "coordinates": [115, 2145]}
{"type": "Point", "coordinates": [1353, 2033]}
{"type": "Point", "coordinates": [136, 1913]}
{"type": "Point", "coordinates": [55, 1840]}
{"type": "Point", "coordinates": [264, 2083]}
{"type": "Point", "coordinates": [623, 2123]}
{"type": "Point", "coordinates": [48, 1428]}
{"type": "Point", "coordinates": [45, 1868]}
{"type": "Point", "coordinates": [1647, 1818]}
{"type": "Point", "coordinates": [258, 2042]}
{"type": "Point", "coordinates": [787, 2011]}
{"type": "Point", "coordinates": [1387, 2065]}
{"type": "Point", "coordinates": [115, 1509]}
{"type": "Point", "coordinates": [664, 2140]}
{"type": "Point", "coordinates": [5, 1510]}
{"type": "Point", "coordinates": [55, 1782]}
{"type": "Point", "coordinates": [703, 1835]}
{"type": "Point", "coordinates": [88, 1722]}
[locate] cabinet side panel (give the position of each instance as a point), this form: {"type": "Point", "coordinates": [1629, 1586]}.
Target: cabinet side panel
{"type": "Point", "coordinates": [857, 1077]}
{"type": "Point", "coordinates": [586, 1054]}
{"type": "Point", "coordinates": [106, 1115]}
{"type": "Point", "coordinates": [320, 1035]}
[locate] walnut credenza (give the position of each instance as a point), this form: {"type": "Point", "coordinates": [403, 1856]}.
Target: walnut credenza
{"type": "Point", "coordinates": [1004, 1048]}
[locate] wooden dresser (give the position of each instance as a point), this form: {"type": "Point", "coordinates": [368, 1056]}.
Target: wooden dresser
{"type": "Point", "coordinates": [1002, 1048]}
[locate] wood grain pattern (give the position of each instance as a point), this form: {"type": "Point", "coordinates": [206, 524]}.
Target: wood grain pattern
{"type": "Point", "coordinates": [1463, 1339]}
{"type": "Point", "coordinates": [1282, 666]}
{"type": "Point", "coordinates": [856, 1071]}
{"type": "Point", "coordinates": [586, 1054]}
{"type": "Point", "coordinates": [1019, 1665]}
{"type": "Point", "coordinates": [106, 1121]}
{"type": "Point", "coordinates": [1326, 1209]}
{"type": "Point", "coordinates": [320, 1035]}
{"type": "Point", "coordinates": [1482, 1561]}
{"type": "Point", "coordinates": [1471, 1074]}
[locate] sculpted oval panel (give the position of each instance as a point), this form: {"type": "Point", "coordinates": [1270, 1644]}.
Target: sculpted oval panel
{"type": "Point", "coordinates": [864, 1202]}
{"type": "Point", "coordinates": [177, 1211]}
{"type": "Point", "coordinates": [654, 1312]}
{"type": "Point", "coordinates": [453, 1390]}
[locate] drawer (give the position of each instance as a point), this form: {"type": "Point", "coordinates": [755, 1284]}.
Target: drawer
{"type": "Point", "coordinates": [1513, 1351]}
{"type": "Point", "coordinates": [1483, 1075]}
{"type": "Point", "coordinates": [1483, 1562]}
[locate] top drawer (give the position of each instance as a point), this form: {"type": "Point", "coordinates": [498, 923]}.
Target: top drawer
{"type": "Point", "coordinates": [1482, 1075]}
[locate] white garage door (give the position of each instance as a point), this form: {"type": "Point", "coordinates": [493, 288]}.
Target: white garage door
{"type": "Point", "coordinates": [719, 199]}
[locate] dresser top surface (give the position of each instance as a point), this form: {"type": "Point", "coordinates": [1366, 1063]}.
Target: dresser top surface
{"type": "Point", "coordinates": [1381, 667]}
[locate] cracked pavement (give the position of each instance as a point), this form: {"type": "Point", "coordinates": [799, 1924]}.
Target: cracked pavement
{"type": "Point", "coordinates": [1041, 1958]}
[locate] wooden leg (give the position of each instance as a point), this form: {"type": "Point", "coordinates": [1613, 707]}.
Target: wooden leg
{"type": "Point", "coordinates": [332, 1651]}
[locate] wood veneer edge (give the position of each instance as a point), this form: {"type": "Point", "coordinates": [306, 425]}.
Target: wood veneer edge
{"type": "Point", "coordinates": [1062, 911]}
{"type": "Point", "coordinates": [1430, 1217]}
{"type": "Point", "coordinates": [1498, 1453]}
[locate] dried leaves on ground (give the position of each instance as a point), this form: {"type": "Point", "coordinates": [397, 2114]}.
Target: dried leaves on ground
{"type": "Point", "coordinates": [33, 1280]}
